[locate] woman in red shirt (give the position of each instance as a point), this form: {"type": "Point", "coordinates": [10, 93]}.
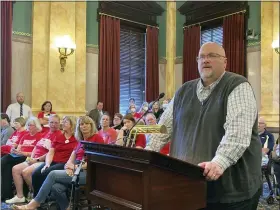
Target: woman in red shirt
{"type": "Point", "coordinates": [135, 114]}
{"type": "Point", "coordinates": [58, 154]}
{"type": "Point", "coordinates": [129, 121]}
{"type": "Point", "coordinates": [23, 171]}
{"type": "Point", "coordinates": [44, 115]}
{"type": "Point", "coordinates": [13, 141]}
{"type": "Point", "coordinates": [16, 156]}
{"type": "Point", "coordinates": [59, 180]}
{"type": "Point", "coordinates": [109, 134]}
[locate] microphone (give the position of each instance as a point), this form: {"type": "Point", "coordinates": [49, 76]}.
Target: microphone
{"type": "Point", "coordinates": [77, 171]}
{"type": "Point", "coordinates": [159, 97]}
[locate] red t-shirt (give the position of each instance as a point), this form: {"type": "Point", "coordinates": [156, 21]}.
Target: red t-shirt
{"type": "Point", "coordinates": [137, 115]}
{"type": "Point", "coordinates": [42, 147]}
{"type": "Point", "coordinates": [165, 150]}
{"type": "Point", "coordinates": [28, 142]}
{"type": "Point", "coordinates": [80, 152]}
{"type": "Point", "coordinates": [140, 141]}
{"type": "Point", "coordinates": [109, 136]}
{"type": "Point", "coordinates": [15, 137]}
{"type": "Point", "coordinates": [45, 128]}
{"type": "Point", "coordinates": [41, 114]}
{"type": "Point", "coordinates": [63, 148]}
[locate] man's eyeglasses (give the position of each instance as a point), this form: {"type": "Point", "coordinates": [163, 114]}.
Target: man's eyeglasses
{"type": "Point", "coordinates": [209, 56]}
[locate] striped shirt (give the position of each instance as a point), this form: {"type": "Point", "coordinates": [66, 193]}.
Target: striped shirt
{"type": "Point", "coordinates": [241, 116]}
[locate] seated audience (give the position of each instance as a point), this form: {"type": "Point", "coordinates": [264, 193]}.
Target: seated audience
{"type": "Point", "coordinates": [276, 159]}
{"type": "Point", "coordinates": [96, 114]}
{"type": "Point", "coordinates": [165, 104]}
{"type": "Point", "coordinates": [131, 101]}
{"type": "Point", "coordinates": [44, 115]}
{"type": "Point", "coordinates": [18, 109]}
{"type": "Point", "coordinates": [143, 108]}
{"type": "Point", "coordinates": [108, 134]}
{"type": "Point", "coordinates": [6, 128]}
{"type": "Point", "coordinates": [23, 171]}
{"type": "Point", "coordinates": [140, 140]}
{"type": "Point", "coordinates": [150, 119]}
{"type": "Point", "coordinates": [13, 141]}
{"type": "Point", "coordinates": [267, 139]}
{"type": "Point", "coordinates": [157, 110]}
{"type": "Point", "coordinates": [135, 114]}
{"type": "Point", "coordinates": [59, 180]}
{"type": "Point", "coordinates": [19, 155]}
{"type": "Point", "coordinates": [117, 121]}
{"type": "Point", "coordinates": [59, 152]}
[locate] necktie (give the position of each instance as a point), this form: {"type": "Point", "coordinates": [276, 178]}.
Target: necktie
{"type": "Point", "coordinates": [21, 111]}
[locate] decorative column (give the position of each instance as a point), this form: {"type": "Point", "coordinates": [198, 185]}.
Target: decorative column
{"type": "Point", "coordinates": [66, 90]}
{"type": "Point", "coordinates": [269, 63]}
{"type": "Point", "coordinates": [170, 47]}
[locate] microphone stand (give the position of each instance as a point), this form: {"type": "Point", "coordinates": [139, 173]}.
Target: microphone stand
{"type": "Point", "coordinates": [159, 97]}
{"type": "Point", "coordinates": [74, 184]}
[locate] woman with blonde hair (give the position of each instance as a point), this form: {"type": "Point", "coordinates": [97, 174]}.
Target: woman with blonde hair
{"type": "Point", "coordinates": [58, 154]}
{"type": "Point", "coordinates": [19, 155]}
{"type": "Point", "coordinates": [59, 180]}
{"type": "Point", "coordinates": [157, 111]}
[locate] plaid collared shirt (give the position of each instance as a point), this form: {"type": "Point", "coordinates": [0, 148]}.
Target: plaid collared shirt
{"type": "Point", "coordinates": [241, 116]}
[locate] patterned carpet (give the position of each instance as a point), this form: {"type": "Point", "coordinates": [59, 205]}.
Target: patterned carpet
{"type": "Point", "coordinates": [263, 205]}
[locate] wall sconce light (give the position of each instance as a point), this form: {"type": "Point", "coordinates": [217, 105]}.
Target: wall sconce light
{"type": "Point", "coordinates": [65, 47]}
{"type": "Point", "coordinates": [275, 46]}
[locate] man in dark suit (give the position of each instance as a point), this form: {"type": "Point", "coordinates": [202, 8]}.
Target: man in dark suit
{"type": "Point", "coordinates": [97, 113]}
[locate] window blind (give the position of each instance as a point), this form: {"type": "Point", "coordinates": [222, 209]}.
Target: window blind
{"type": "Point", "coordinates": [132, 67]}
{"type": "Point", "coordinates": [212, 35]}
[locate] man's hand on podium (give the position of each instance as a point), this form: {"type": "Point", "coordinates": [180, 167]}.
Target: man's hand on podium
{"type": "Point", "coordinates": [212, 171]}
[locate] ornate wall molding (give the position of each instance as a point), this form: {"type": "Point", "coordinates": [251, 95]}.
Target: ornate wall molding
{"type": "Point", "coordinates": [253, 48]}
{"type": "Point", "coordinates": [179, 60]}
{"type": "Point", "coordinates": [92, 49]}
{"type": "Point", "coordinates": [22, 38]}
{"type": "Point", "coordinates": [144, 12]}
{"type": "Point", "coordinates": [21, 33]}
{"type": "Point", "coordinates": [162, 60]}
{"type": "Point", "coordinates": [196, 12]}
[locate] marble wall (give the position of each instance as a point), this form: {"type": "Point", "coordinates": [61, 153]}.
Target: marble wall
{"type": "Point", "coordinates": [22, 73]}
{"type": "Point", "coordinates": [21, 67]}
{"type": "Point", "coordinates": [66, 90]}
{"type": "Point", "coordinates": [254, 71]}
{"type": "Point", "coordinates": [91, 78]}
{"type": "Point", "coordinates": [269, 63]}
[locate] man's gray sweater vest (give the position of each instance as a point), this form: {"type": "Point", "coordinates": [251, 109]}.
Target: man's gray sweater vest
{"type": "Point", "coordinates": [198, 130]}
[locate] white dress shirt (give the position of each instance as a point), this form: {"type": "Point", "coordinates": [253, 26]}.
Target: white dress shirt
{"type": "Point", "coordinates": [13, 111]}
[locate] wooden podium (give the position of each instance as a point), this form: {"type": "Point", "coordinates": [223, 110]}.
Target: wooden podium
{"type": "Point", "coordinates": [127, 178]}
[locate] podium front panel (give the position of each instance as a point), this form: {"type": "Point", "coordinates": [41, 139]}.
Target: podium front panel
{"type": "Point", "coordinates": [124, 179]}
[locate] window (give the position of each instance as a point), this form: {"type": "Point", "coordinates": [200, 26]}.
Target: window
{"type": "Point", "coordinates": [132, 67]}
{"type": "Point", "coordinates": [212, 35]}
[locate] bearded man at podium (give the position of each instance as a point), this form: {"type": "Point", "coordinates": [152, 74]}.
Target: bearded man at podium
{"type": "Point", "coordinates": [212, 122]}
